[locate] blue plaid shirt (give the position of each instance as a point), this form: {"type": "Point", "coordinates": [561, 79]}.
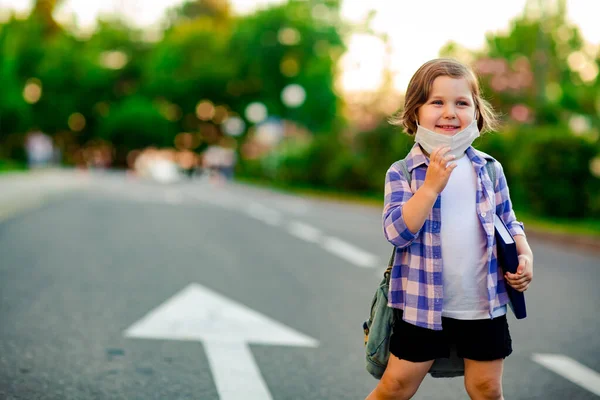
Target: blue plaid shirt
{"type": "Point", "coordinates": [416, 280]}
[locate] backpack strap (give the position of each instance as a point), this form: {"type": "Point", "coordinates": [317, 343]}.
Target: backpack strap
{"type": "Point", "coordinates": [490, 166]}
{"type": "Point", "coordinates": [491, 170]}
{"type": "Point", "coordinates": [404, 168]}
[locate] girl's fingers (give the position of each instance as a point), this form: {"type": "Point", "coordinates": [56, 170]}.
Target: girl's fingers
{"type": "Point", "coordinates": [438, 153]}
{"type": "Point", "coordinates": [443, 155]}
{"type": "Point", "coordinates": [451, 166]}
{"type": "Point", "coordinates": [520, 286]}
{"type": "Point", "coordinates": [435, 156]}
{"type": "Point", "coordinates": [520, 279]}
{"type": "Point", "coordinates": [447, 161]}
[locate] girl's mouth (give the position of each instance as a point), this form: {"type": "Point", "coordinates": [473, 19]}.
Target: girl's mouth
{"type": "Point", "coordinates": [448, 128]}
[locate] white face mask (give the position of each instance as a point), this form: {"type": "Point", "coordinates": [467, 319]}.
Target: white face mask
{"type": "Point", "coordinates": [458, 143]}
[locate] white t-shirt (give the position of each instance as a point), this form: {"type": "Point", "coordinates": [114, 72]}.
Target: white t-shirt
{"type": "Point", "coordinates": [464, 244]}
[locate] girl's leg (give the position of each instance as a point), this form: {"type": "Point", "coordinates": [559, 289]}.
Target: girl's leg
{"type": "Point", "coordinates": [400, 380]}
{"type": "Point", "coordinates": [483, 379]}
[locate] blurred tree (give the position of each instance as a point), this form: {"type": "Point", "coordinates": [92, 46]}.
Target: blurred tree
{"type": "Point", "coordinates": [44, 10]}
{"type": "Point", "coordinates": [191, 64]}
{"type": "Point", "coordinates": [15, 55]}
{"type": "Point", "coordinates": [541, 71]}
{"type": "Point", "coordinates": [297, 42]}
{"type": "Point", "coordinates": [217, 10]}
{"type": "Point", "coordinates": [135, 123]}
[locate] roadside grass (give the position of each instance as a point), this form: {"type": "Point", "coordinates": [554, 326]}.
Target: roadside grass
{"type": "Point", "coordinates": [10, 166]}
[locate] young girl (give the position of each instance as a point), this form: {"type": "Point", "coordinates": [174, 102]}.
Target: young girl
{"type": "Point", "coordinates": [446, 287]}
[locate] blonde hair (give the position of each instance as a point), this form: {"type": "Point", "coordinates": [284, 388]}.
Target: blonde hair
{"type": "Point", "coordinates": [419, 89]}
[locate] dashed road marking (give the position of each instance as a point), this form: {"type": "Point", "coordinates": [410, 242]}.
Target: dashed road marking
{"type": "Point", "coordinates": [349, 252]}
{"type": "Point", "coordinates": [304, 231]}
{"type": "Point", "coordinates": [570, 369]}
{"type": "Point", "coordinates": [264, 214]}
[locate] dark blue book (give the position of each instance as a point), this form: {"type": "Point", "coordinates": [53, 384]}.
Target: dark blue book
{"type": "Point", "coordinates": [509, 261]}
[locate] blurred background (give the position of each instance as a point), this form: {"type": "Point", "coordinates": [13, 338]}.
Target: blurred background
{"type": "Point", "coordinates": [296, 93]}
{"type": "Point", "coordinates": [213, 171]}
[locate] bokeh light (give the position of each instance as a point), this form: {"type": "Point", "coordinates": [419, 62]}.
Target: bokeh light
{"type": "Point", "coordinates": [102, 108]}
{"type": "Point", "coordinates": [293, 95]}
{"type": "Point", "coordinates": [256, 112]}
{"type": "Point", "coordinates": [520, 113]}
{"type": "Point", "coordinates": [184, 140]}
{"type": "Point", "coordinates": [269, 133]}
{"type": "Point", "coordinates": [205, 110]}
{"type": "Point", "coordinates": [220, 114]}
{"type": "Point", "coordinates": [579, 124]}
{"type": "Point", "coordinates": [76, 122]}
{"type": "Point", "coordinates": [595, 167]}
{"type": "Point", "coordinates": [113, 59]}
{"type": "Point", "coordinates": [32, 91]}
{"type": "Point", "coordinates": [234, 126]}
{"type": "Point", "coordinates": [289, 67]}
{"type": "Point", "coordinates": [288, 36]}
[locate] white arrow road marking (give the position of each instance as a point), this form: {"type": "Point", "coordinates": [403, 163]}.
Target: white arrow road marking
{"type": "Point", "coordinates": [571, 370]}
{"type": "Point", "coordinates": [225, 327]}
{"type": "Point", "coordinates": [304, 231]}
{"type": "Point", "coordinates": [235, 372]}
{"type": "Point", "coordinates": [350, 252]}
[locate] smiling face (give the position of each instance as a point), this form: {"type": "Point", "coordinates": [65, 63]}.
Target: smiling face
{"type": "Point", "coordinates": [450, 107]}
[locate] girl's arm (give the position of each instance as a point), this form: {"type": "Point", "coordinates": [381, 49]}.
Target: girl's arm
{"type": "Point", "coordinates": [417, 209]}
{"type": "Point", "coordinates": [522, 279]}
{"type": "Point", "coordinates": [405, 212]}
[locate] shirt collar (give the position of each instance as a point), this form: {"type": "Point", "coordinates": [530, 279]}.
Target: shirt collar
{"type": "Point", "coordinates": [415, 158]}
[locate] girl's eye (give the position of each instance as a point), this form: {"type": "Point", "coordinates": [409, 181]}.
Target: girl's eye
{"type": "Point", "coordinates": [463, 103]}
{"type": "Point", "coordinates": [436, 102]}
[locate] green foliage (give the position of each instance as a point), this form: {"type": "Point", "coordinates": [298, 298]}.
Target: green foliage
{"type": "Point", "coordinates": [191, 64]}
{"type": "Point", "coordinates": [557, 174]}
{"type": "Point", "coordinates": [327, 162]}
{"type": "Point", "coordinates": [282, 45]}
{"type": "Point", "coordinates": [11, 166]}
{"type": "Point", "coordinates": [547, 169]}
{"type": "Point", "coordinates": [136, 122]}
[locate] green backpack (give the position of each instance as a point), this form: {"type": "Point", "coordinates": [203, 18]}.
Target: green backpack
{"type": "Point", "coordinates": [378, 328]}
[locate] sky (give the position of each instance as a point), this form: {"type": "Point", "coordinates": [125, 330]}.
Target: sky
{"type": "Point", "coordinates": [417, 29]}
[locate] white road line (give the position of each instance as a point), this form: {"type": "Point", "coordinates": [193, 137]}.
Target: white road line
{"type": "Point", "coordinates": [297, 207]}
{"type": "Point", "coordinates": [264, 214]}
{"type": "Point", "coordinates": [571, 370]}
{"type": "Point", "coordinates": [222, 201]}
{"type": "Point", "coordinates": [309, 233]}
{"type": "Point", "coordinates": [304, 231]}
{"type": "Point", "coordinates": [349, 252]}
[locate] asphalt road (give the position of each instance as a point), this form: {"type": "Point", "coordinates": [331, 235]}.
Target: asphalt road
{"type": "Point", "coordinates": [77, 271]}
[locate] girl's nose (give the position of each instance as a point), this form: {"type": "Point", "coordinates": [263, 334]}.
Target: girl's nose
{"type": "Point", "coordinates": [449, 112]}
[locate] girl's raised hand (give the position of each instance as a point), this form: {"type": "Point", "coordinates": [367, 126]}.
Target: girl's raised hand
{"type": "Point", "coordinates": [439, 169]}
